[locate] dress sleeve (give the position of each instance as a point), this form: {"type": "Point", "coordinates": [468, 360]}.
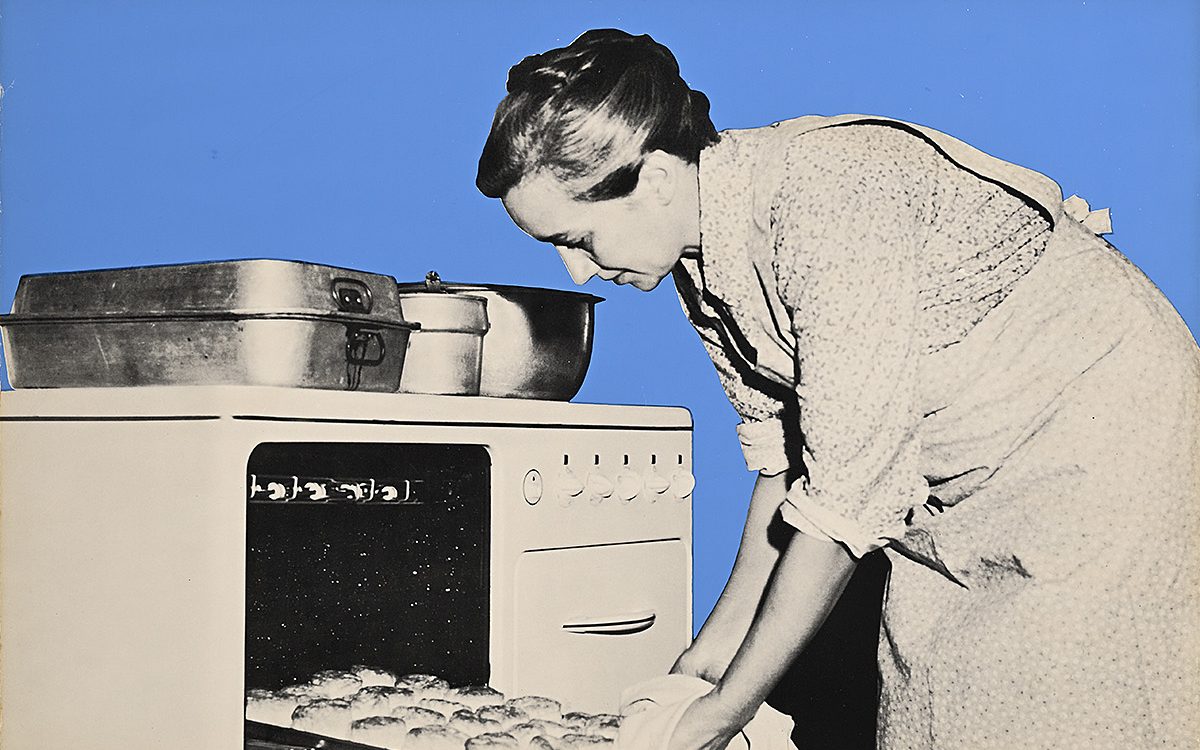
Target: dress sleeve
{"type": "Point", "coordinates": [848, 225]}
{"type": "Point", "coordinates": [761, 430]}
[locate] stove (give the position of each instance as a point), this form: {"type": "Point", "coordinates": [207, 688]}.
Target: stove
{"type": "Point", "coordinates": [168, 548]}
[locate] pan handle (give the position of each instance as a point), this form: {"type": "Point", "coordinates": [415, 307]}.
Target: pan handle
{"type": "Point", "coordinates": [351, 295]}
{"type": "Point", "coordinates": [358, 346]}
{"type": "Point", "coordinates": [630, 624]}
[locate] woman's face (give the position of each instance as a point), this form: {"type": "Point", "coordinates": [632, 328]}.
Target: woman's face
{"type": "Point", "coordinates": [636, 239]}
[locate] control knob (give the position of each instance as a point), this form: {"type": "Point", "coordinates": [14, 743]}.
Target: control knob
{"type": "Point", "coordinates": [599, 487]}
{"type": "Point", "coordinates": [567, 486]}
{"type": "Point", "coordinates": [682, 483]}
{"type": "Point", "coordinates": [629, 485]}
{"type": "Point", "coordinates": [656, 483]}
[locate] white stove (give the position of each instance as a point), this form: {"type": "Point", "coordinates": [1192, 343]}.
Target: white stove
{"type": "Point", "coordinates": [166, 548]}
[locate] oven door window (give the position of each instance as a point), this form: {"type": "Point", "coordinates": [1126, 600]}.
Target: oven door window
{"type": "Point", "coordinates": [367, 554]}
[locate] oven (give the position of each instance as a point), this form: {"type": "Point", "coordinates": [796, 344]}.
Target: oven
{"type": "Point", "coordinates": [168, 548]}
{"type": "Point", "coordinates": [370, 554]}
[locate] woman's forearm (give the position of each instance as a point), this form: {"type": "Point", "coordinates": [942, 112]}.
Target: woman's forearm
{"type": "Point", "coordinates": [808, 580]}
{"type": "Point", "coordinates": [756, 558]}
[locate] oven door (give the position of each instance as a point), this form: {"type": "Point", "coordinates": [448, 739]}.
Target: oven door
{"type": "Point", "coordinates": [367, 554]}
{"type": "Point", "coordinates": [592, 621]}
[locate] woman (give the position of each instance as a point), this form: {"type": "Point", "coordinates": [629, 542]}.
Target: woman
{"type": "Point", "coordinates": [932, 354]}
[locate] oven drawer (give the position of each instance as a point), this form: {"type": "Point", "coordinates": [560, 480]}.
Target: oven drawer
{"type": "Point", "coordinates": [591, 621]}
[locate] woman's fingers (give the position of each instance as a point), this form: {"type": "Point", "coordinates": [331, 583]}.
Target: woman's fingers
{"type": "Point", "coordinates": [706, 725]}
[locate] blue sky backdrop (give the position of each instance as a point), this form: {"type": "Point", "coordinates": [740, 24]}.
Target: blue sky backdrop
{"type": "Point", "coordinates": [346, 132]}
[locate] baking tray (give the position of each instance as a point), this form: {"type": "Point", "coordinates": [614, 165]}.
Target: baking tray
{"type": "Point", "coordinates": [250, 322]}
{"type": "Point", "coordinates": [261, 736]}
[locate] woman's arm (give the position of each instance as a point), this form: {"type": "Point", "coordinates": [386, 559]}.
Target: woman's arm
{"type": "Point", "coordinates": [727, 625]}
{"type": "Point", "coordinates": [809, 578]}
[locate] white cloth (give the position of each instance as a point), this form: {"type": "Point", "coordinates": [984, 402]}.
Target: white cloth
{"type": "Point", "coordinates": [652, 709]}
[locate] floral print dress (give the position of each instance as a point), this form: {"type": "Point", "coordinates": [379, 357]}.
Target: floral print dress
{"type": "Point", "coordinates": [952, 367]}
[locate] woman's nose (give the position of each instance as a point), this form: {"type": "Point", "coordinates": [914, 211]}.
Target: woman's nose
{"type": "Point", "coordinates": [578, 264]}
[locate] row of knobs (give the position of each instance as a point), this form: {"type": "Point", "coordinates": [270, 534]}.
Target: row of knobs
{"type": "Point", "coordinates": [317, 490]}
{"type": "Point", "coordinates": [596, 487]}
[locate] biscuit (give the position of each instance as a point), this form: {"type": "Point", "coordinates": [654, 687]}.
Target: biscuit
{"type": "Point", "coordinates": [537, 707]}
{"type": "Point", "coordinates": [400, 697]}
{"type": "Point", "coordinates": [375, 700]}
{"type": "Point", "coordinates": [424, 685]}
{"type": "Point", "coordinates": [570, 742]}
{"type": "Point", "coordinates": [270, 708]}
{"type": "Point", "coordinates": [477, 696]}
{"type": "Point", "coordinates": [603, 725]}
{"type": "Point", "coordinates": [303, 693]}
{"type": "Point", "coordinates": [441, 705]}
{"type": "Point", "coordinates": [371, 676]}
{"type": "Point", "coordinates": [415, 716]}
{"type": "Point", "coordinates": [493, 741]}
{"type": "Point", "coordinates": [576, 719]}
{"type": "Point", "coordinates": [434, 738]}
{"type": "Point", "coordinates": [470, 724]}
{"type": "Point", "coordinates": [505, 714]}
{"type": "Point", "coordinates": [381, 731]}
{"type": "Point", "coordinates": [583, 742]}
{"type": "Point", "coordinates": [526, 731]}
{"type": "Point", "coordinates": [327, 716]}
{"type": "Point", "coordinates": [333, 683]}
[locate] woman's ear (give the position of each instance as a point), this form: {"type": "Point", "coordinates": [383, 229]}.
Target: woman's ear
{"type": "Point", "coordinates": [658, 179]}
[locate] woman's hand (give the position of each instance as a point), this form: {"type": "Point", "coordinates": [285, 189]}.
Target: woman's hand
{"type": "Point", "coordinates": [808, 580]}
{"type": "Point", "coordinates": [708, 724]}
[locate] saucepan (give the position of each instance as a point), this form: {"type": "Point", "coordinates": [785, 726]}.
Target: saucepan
{"type": "Point", "coordinates": [539, 341]}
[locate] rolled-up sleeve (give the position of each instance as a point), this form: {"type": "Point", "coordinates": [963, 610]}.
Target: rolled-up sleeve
{"type": "Point", "coordinates": [761, 432]}
{"type": "Point", "coordinates": [763, 445]}
{"type": "Point", "coordinates": [846, 243]}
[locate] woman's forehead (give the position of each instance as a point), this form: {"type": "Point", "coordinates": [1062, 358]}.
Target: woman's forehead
{"type": "Point", "coordinates": [542, 206]}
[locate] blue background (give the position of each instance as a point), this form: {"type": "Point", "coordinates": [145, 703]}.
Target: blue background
{"type": "Point", "coordinates": [347, 133]}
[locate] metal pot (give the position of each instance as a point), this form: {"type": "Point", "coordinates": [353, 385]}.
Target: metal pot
{"type": "Point", "coordinates": [539, 343]}
{"type": "Point", "coordinates": [445, 355]}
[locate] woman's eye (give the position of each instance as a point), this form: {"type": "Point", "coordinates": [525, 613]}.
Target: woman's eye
{"type": "Point", "coordinates": [581, 244]}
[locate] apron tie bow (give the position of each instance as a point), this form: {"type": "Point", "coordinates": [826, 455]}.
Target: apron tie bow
{"type": "Point", "coordinates": [1098, 222]}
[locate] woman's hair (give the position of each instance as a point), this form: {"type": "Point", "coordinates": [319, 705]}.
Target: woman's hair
{"type": "Point", "coordinates": [589, 112]}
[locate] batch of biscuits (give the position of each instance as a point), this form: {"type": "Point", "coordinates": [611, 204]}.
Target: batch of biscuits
{"type": "Point", "coordinates": [376, 707]}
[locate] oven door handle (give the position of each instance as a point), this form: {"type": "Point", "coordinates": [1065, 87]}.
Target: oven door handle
{"type": "Point", "coordinates": [636, 622]}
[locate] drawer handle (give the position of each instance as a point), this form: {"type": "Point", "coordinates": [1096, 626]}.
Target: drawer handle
{"type": "Point", "coordinates": [637, 622]}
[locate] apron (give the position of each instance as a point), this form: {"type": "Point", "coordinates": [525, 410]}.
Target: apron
{"type": "Point", "coordinates": [1047, 596]}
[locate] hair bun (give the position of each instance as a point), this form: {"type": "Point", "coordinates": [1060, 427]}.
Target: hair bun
{"type": "Point", "coordinates": [699, 103]}
{"type": "Point", "coordinates": [534, 70]}
{"type": "Point", "coordinates": [597, 55]}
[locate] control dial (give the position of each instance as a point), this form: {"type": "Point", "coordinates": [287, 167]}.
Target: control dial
{"type": "Point", "coordinates": [656, 483]}
{"type": "Point", "coordinates": [629, 485]}
{"type": "Point", "coordinates": [599, 486]}
{"type": "Point", "coordinates": [567, 486]}
{"type": "Point", "coordinates": [682, 483]}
